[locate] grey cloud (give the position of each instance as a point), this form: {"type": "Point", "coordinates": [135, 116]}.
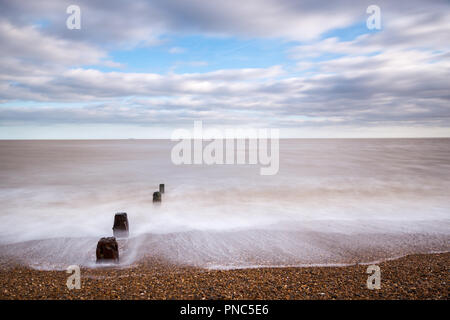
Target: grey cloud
{"type": "Point", "coordinates": [142, 22]}
{"type": "Point", "coordinates": [396, 76]}
{"type": "Point", "coordinates": [119, 22]}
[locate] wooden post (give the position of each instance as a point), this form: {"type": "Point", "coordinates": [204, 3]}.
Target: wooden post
{"type": "Point", "coordinates": [161, 188]}
{"type": "Point", "coordinates": [107, 250]}
{"type": "Point", "coordinates": [120, 227]}
{"type": "Point", "coordinates": [156, 196]}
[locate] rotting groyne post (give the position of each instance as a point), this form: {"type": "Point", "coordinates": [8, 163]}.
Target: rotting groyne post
{"type": "Point", "coordinates": [107, 250]}
{"type": "Point", "coordinates": [120, 227]}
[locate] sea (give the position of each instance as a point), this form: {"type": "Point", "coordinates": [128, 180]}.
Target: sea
{"type": "Point", "coordinates": [332, 202]}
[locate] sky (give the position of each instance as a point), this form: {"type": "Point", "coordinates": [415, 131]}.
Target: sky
{"type": "Point", "coordinates": [142, 69]}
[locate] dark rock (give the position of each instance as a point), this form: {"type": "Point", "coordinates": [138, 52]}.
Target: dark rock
{"type": "Point", "coordinates": [120, 228]}
{"type": "Point", "coordinates": [107, 250]}
{"type": "Point", "coordinates": [161, 188]}
{"type": "Point", "coordinates": [156, 196]}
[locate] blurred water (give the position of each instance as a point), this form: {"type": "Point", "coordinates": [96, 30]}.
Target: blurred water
{"type": "Point", "coordinates": [331, 200]}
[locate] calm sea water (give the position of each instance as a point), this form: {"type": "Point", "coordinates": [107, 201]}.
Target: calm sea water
{"type": "Point", "coordinates": [333, 201]}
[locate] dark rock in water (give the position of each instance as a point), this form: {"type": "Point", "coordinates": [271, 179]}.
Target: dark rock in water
{"type": "Point", "coordinates": [156, 196]}
{"type": "Point", "coordinates": [107, 250]}
{"type": "Point", "coordinates": [161, 188]}
{"type": "Point", "coordinates": [120, 228]}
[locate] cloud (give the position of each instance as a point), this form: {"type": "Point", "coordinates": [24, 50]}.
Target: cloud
{"type": "Point", "coordinates": [142, 22]}
{"type": "Point", "coordinates": [120, 23]}
{"type": "Point", "coordinates": [90, 84]}
{"type": "Point", "coordinates": [418, 31]}
{"type": "Point", "coordinates": [29, 44]}
{"type": "Point", "coordinates": [176, 50]}
{"type": "Point", "coordinates": [397, 76]}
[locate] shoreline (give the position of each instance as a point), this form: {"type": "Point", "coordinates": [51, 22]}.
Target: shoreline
{"type": "Point", "coordinates": [323, 265]}
{"type": "Point", "coordinates": [414, 276]}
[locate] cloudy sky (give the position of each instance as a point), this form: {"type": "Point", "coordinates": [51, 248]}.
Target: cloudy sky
{"type": "Point", "coordinates": [140, 69]}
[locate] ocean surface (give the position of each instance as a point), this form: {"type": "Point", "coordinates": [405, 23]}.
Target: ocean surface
{"type": "Point", "coordinates": [333, 201]}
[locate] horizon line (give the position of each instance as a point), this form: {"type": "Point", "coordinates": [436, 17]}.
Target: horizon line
{"type": "Point", "coordinates": [290, 138]}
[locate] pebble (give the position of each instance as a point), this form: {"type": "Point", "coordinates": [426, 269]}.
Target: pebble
{"type": "Point", "coordinates": [153, 279]}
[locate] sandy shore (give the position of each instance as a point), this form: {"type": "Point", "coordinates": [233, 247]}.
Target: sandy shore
{"type": "Point", "coordinates": [423, 276]}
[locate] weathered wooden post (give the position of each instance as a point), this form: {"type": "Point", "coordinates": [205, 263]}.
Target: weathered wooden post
{"type": "Point", "coordinates": [156, 196]}
{"type": "Point", "coordinates": [120, 227]}
{"type": "Point", "coordinates": [107, 250]}
{"type": "Point", "coordinates": [161, 188]}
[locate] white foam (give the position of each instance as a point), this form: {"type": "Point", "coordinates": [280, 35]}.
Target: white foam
{"type": "Point", "coordinates": [64, 194]}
